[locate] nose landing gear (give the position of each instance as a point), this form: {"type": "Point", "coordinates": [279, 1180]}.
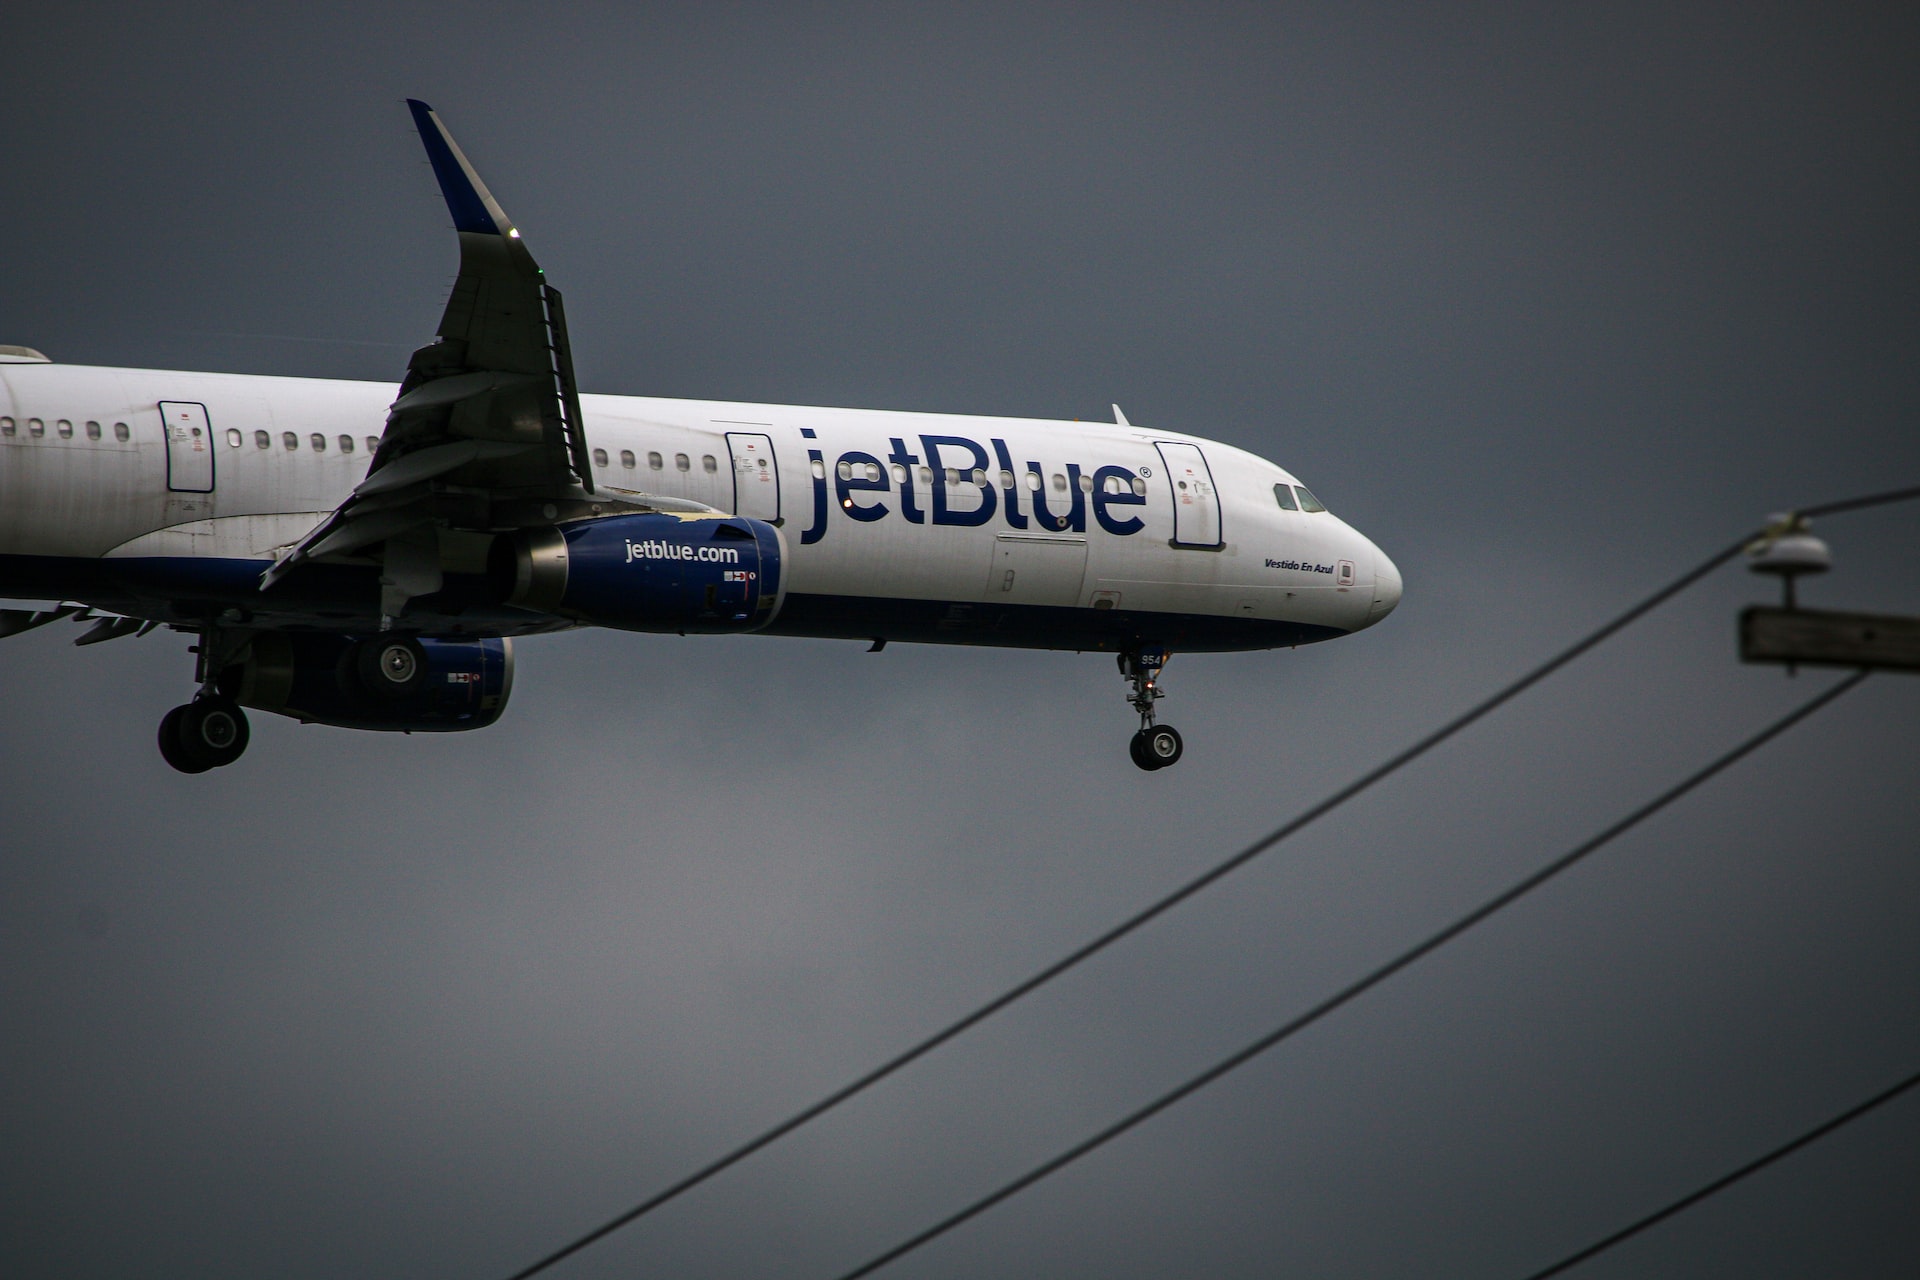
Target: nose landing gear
{"type": "Point", "coordinates": [1155, 746]}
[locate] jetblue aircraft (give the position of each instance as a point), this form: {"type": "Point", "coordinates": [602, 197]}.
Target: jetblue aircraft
{"type": "Point", "coordinates": [351, 555]}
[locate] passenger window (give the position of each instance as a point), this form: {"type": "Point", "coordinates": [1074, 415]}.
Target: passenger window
{"type": "Point", "coordinates": [65, 429]}
{"type": "Point", "coordinates": [93, 431]}
{"type": "Point", "coordinates": [681, 462]}
{"type": "Point", "coordinates": [1006, 479]}
{"type": "Point", "coordinates": [599, 457]}
{"type": "Point", "coordinates": [818, 468]}
{"type": "Point", "coordinates": [1283, 494]}
{"type": "Point", "coordinates": [952, 477]}
{"type": "Point", "coordinates": [233, 437]}
{"type": "Point", "coordinates": [7, 427]}
{"type": "Point", "coordinates": [654, 461]}
{"type": "Point", "coordinates": [708, 465]}
{"type": "Point", "coordinates": [261, 439]}
{"type": "Point", "coordinates": [35, 427]}
{"type": "Point", "coordinates": [373, 444]}
{"type": "Point", "coordinates": [627, 459]}
{"type": "Point", "coordinates": [318, 441]}
{"type": "Point", "coordinates": [1086, 484]}
{"type": "Point", "coordinates": [1139, 487]}
{"type": "Point", "coordinates": [899, 474]}
{"type": "Point", "coordinates": [926, 475]}
{"type": "Point", "coordinates": [844, 470]}
{"type": "Point", "coordinates": [980, 477]}
{"type": "Point", "coordinates": [1059, 482]}
{"type": "Point", "coordinates": [873, 472]}
{"type": "Point", "coordinates": [1307, 501]}
{"type": "Point", "coordinates": [346, 444]}
{"type": "Point", "coordinates": [289, 441]}
{"type": "Point", "coordinates": [120, 432]}
{"type": "Point", "coordinates": [1033, 481]}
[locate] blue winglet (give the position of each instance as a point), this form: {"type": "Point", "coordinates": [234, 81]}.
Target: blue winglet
{"type": "Point", "coordinates": [468, 200]}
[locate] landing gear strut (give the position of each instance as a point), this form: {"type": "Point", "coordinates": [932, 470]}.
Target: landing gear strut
{"type": "Point", "coordinates": [1155, 746]}
{"type": "Point", "coordinates": [211, 731]}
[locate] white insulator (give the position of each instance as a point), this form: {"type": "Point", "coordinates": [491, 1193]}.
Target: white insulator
{"type": "Point", "coordinates": [1791, 555]}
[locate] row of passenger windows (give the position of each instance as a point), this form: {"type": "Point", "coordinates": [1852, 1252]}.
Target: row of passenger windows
{"type": "Point", "coordinates": [63, 428]}
{"type": "Point", "coordinates": [657, 462]}
{"type": "Point", "coordinates": [290, 441]}
{"type": "Point", "coordinates": [1283, 494]}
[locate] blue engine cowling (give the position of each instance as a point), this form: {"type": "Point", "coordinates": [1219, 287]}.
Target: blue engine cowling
{"type": "Point", "coordinates": [647, 572]}
{"type": "Point", "coordinates": [384, 682]}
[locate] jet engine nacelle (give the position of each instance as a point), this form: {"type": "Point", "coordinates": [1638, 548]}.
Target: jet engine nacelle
{"type": "Point", "coordinates": [647, 572]}
{"type": "Point", "coordinates": [375, 682]}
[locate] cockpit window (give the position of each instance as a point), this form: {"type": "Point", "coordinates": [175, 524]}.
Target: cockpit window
{"type": "Point", "coordinates": [1283, 494]}
{"type": "Point", "coordinates": [1307, 501]}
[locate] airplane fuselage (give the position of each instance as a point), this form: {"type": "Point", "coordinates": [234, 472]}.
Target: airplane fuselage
{"type": "Point", "coordinates": [165, 495]}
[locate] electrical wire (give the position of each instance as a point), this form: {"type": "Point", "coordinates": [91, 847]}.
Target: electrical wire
{"type": "Point", "coordinates": [1166, 903]}
{"type": "Point", "coordinates": [1360, 987]}
{"type": "Point", "coordinates": [1139, 918]}
{"type": "Point", "coordinates": [1721, 1184]}
{"type": "Point", "coordinates": [1857, 504]}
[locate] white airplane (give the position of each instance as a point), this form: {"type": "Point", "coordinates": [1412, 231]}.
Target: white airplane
{"type": "Point", "coordinates": [374, 576]}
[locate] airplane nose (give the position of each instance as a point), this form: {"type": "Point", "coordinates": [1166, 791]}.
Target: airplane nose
{"type": "Point", "coordinates": [1386, 588]}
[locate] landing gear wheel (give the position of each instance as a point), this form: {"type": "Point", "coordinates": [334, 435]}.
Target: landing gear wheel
{"type": "Point", "coordinates": [173, 748]}
{"type": "Point", "coordinates": [1156, 747]}
{"type": "Point", "coordinates": [207, 733]}
{"type": "Point", "coordinates": [1137, 750]}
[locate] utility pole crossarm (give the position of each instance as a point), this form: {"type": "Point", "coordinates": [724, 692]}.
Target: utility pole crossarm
{"type": "Point", "coordinates": [1821, 638]}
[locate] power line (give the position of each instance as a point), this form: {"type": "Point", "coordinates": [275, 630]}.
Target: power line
{"type": "Point", "coordinates": [1371, 980]}
{"type": "Point", "coordinates": [1139, 918]}
{"type": "Point", "coordinates": [1185, 891]}
{"type": "Point", "coordinates": [1857, 504]}
{"type": "Point", "coordinates": [1721, 1184]}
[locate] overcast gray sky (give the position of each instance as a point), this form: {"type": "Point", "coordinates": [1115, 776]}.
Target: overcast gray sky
{"type": "Point", "coordinates": [1549, 302]}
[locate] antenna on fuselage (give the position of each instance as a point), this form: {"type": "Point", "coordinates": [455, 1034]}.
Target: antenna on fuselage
{"type": "Point", "coordinates": [1119, 418]}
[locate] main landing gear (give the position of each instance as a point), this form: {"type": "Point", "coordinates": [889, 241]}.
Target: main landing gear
{"type": "Point", "coordinates": [211, 731]}
{"type": "Point", "coordinates": [1155, 746]}
{"type": "Point", "coordinates": [208, 733]}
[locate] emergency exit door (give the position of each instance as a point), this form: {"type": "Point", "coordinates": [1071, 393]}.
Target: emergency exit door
{"type": "Point", "coordinates": [1196, 505]}
{"type": "Point", "coordinates": [189, 446]}
{"type": "Point", "coordinates": [756, 479]}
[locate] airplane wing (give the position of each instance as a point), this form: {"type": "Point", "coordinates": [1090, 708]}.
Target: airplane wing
{"type": "Point", "coordinates": [486, 432]}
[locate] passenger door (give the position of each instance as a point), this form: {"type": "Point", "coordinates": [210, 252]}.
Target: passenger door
{"type": "Point", "coordinates": [756, 476]}
{"type": "Point", "coordinates": [189, 446]}
{"type": "Point", "coordinates": [1196, 506]}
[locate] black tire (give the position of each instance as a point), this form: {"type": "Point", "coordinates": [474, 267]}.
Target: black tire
{"type": "Point", "coordinates": [1137, 751]}
{"type": "Point", "coordinates": [392, 667]}
{"type": "Point", "coordinates": [214, 730]}
{"type": "Point", "coordinates": [173, 744]}
{"type": "Point", "coordinates": [1162, 746]}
